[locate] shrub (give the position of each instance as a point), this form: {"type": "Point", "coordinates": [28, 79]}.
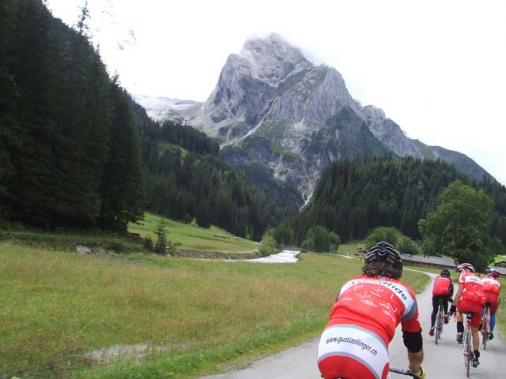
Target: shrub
{"type": "Point", "coordinates": [319, 239]}
{"type": "Point", "coordinates": [407, 246]}
{"type": "Point", "coordinates": [268, 245]}
{"type": "Point", "coordinates": [383, 233]}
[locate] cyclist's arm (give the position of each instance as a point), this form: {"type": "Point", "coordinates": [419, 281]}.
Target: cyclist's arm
{"type": "Point", "coordinates": [414, 343]}
{"type": "Point", "coordinates": [412, 337]}
{"type": "Point", "coordinates": [456, 298]}
{"type": "Point", "coordinates": [451, 288]}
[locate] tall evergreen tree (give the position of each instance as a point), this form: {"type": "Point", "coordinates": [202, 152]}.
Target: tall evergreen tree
{"type": "Point", "coordinates": [9, 126]}
{"type": "Point", "coordinates": [56, 115]}
{"type": "Point", "coordinates": [35, 67]}
{"type": "Point", "coordinates": [122, 188]}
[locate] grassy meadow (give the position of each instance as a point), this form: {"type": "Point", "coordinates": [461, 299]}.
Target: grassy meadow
{"type": "Point", "coordinates": [501, 312]}
{"type": "Point", "coordinates": [350, 247]}
{"type": "Point", "coordinates": [193, 237]}
{"type": "Point", "coordinates": [196, 316]}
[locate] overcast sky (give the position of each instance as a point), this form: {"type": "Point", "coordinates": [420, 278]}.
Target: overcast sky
{"type": "Point", "coordinates": [437, 68]}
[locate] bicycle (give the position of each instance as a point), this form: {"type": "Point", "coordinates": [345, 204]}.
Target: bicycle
{"type": "Point", "coordinates": [468, 343]}
{"type": "Point", "coordinates": [440, 318]}
{"type": "Point", "coordinates": [485, 325]}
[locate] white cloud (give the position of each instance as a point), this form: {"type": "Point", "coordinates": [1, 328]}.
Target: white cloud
{"type": "Point", "coordinates": [435, 67]}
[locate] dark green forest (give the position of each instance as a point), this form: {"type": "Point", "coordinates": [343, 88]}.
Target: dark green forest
{"type": "Point", "coordinates": [77, 152]}
{"type": "Point", "coordinates": [69, 151]}
{"type": "Point", "coordinates": [353, 197]}
{"type": "Point", "coordinates": [185, 179]}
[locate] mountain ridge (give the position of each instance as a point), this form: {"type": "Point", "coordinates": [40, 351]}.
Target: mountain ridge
{"type": "Point", "coordinates": [271, 90]}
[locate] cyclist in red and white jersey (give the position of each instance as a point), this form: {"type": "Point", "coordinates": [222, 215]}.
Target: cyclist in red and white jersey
{"type": "Point", "coordinates": [441, 291]}
{"type": "Point", "coordinates": [469, 299]}
{"type": "Point", "coordinates": [362, 322]}
{"type": "Point", "coordinates": [492, 289]}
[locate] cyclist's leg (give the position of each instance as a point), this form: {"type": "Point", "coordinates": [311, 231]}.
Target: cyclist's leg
{"type": "Point", "coordinates": [493, 310]}
{"type": "Point", "coordinates": [483, 315]}
{"type": "Point", "coordinates": [445, 303]}
{"type": "Point", "coordinates": [475, 309]}
{"type": "Point", "coordinates": [446, 300]}
{"type": "Point", "coordinates": [435, 306]}
{"type": "Point", "coordinates": [460, 323]}
{"type": "Point", "coordinates": [476, 338]}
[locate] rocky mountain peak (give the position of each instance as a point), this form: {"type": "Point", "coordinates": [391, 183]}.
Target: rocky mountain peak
{"type": "Point", "coordinates": [273, 107]}
{"type": "Point", "coordinates": [272, 59]}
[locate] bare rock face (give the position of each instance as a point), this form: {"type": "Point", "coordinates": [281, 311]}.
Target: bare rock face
{"type": "Point", "coordinates": [273, 106]}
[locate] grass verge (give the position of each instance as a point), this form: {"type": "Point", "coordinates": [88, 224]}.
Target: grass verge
{"type": "Point", "coordinates": [192, 237]}
{"type": "Point", "coordinates": [196, 316]}
{"type": "Point", "coordinates": [501, 312]}
{"type": "Point", "coordinates": [68, 240]}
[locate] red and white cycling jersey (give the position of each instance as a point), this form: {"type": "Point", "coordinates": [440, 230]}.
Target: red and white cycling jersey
{"type": "Point", "coordinates": [441, 286]}
{"type": "Point", "coordinates": [491, 289]}
{"type": "Point", "coordinates": [362, 323]}
{"type": "Point", "coordinates": [491, 285]}
{"type": "Point", "coordinates": [472, 288]}
{"type": "Point", "coordinates": [377, 304]}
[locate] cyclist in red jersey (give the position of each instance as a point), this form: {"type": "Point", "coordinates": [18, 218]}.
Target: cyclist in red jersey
{"type": "Point", "coordinates": [441, 291]}
{"type": "Point", "coordinates": [362, 322]}
{"type": "Point", "coordinates": [492, 289]}
{"type": "Point", "coordinates": [469, 299]}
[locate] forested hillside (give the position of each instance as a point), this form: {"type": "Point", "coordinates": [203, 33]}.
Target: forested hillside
{"type": "Point", "coordinates": [353, 197]}
{"type": "Point", "coordinates": [77, 152]}
{"type": "Point", "coordinates": [185, 179]}
{"type": "Point", "coordinates": [69, 153]}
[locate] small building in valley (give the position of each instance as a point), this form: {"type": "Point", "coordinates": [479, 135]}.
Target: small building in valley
{"type": "Point", "coordinates": [442, 262]}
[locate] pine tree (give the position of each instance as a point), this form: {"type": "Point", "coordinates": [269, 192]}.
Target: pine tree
{"type": "Point", "coordinates": [161, 237]}
{"type": "Point", "coordinates": [35, 66]}
{"type": "Point", "coordinates": [122, 187]}
{"type": "Point", "coordinates": [9, 96]}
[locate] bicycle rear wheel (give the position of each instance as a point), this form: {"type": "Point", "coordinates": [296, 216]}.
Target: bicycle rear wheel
{"type": "Point", "coordinates": [485, 328]}
{"type": "Point", "coordinates": [439, 325]}
{"type": "Point", "coordinates": [467, 351]}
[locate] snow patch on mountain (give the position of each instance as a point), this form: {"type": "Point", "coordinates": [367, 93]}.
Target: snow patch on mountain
{"type": "Point", "coordinates": [165, 108]}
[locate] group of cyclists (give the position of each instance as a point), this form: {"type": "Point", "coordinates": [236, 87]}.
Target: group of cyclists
{"type": "Point", "coordinates": [369, 307]}
{"type": "Point", "coordinates": [475, 295]}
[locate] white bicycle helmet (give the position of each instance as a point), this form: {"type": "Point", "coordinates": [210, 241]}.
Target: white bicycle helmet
{"type": "Point", "coordinates": [467, 266]}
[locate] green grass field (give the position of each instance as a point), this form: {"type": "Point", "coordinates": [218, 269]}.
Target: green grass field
{"type": "Point", "coordinates": [193, 237]}
{"type": "Point", "coordinates": [68, 240]}
{"type": "Point", "coordinates": [196, 316]}
{"type": "Point", "coordinates": [350, 247]}
{"type": "Point", "coordinates": [501, 312]}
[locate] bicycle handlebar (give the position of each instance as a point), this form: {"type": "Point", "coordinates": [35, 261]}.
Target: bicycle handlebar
{"type": "Point", "coordinates": [404, 372]}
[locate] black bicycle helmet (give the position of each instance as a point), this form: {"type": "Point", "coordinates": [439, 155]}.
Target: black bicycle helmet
{"type": "Point", "coordinates": [494, 273]}
{"type": "Point", "coordinates": [445, 272]}
{"type": "Point", "coordinates": [384, 252]}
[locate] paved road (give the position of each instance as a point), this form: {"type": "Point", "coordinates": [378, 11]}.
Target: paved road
{"type": "Point", "coordinates": [444, 361]}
